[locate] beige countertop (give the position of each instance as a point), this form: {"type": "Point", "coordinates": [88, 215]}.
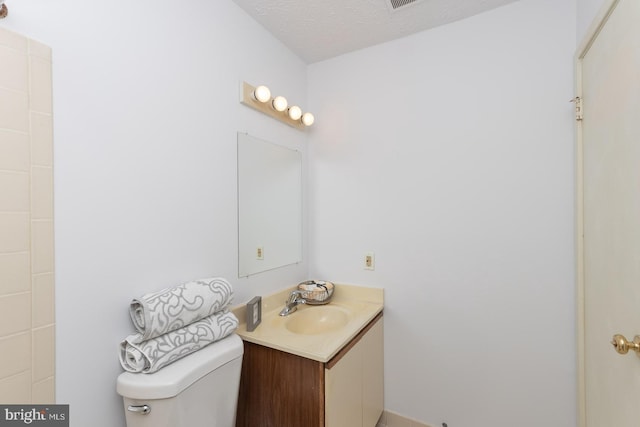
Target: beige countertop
{"type": "Point", "coordinates": [361, 303]}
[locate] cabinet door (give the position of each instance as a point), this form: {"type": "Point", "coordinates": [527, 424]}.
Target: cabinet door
{"type": "Point", "coordinates": [354, 386]}
{"type": "Point", "coordinates": [373, 375]}
{"type": "Point", "coordinates": [279, 389]}
{"type": "Point", "coordinates": [343, 390]}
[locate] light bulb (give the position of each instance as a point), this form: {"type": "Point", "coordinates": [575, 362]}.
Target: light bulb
{"type": "Point", "coordinates": [295, 112]}
{"type": "Point", "coordinates": [262, 94]}
{"type": "Point", "coordinates": [279, 103]}
{"type": "Point", "coordinates": [308, 119]}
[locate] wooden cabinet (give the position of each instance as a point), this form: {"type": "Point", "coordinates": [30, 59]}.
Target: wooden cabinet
{"type": "Point", "coordinates": [279, 389]}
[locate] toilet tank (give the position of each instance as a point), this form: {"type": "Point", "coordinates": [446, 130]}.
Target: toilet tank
{"type": "Point", "coordinates": [198, 390]}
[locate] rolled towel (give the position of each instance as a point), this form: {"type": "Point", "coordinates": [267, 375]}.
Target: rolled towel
{"type": "Point", "coordinates": [164, 311]}
{"type": "Point", "coordinates": [147, 356]}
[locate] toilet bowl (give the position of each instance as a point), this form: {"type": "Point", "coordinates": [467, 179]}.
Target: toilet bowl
{"type": "Point", "coordinates": [198, 390]}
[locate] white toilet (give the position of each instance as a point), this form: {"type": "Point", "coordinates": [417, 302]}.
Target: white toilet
{"type": "Point", "coordinates": [198, 390]}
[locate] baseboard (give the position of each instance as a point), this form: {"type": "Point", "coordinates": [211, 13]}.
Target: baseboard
{"type": "Point", "coordinates": [391, 419]}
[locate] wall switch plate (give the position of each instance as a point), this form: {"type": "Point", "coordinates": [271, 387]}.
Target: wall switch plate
{"type": "Point", "coordinates": [254, 313]}
{"type": "Point", "coordinates": [259, 252]}
{"type": "Point", "coordinates": [369, 261]}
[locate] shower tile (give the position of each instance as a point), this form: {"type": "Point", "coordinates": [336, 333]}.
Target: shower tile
{"type": "Point", "coordinates": [391, 419]}
{"type": "Point", "coordinates": [14, 110]}
{"type": "Point", "coordinates": [395, 420]}
{"type": "Point", "coordinates": [41, 139]}
{"type": "Point", "coordinates": [40, 79]}
{"type": "Point", "coordinates": [13, 40]}
{"type": "Point", "coordinates": [38, 49]}
{"type": "Point", "coordinates": [14, 187]}
{"type": "Point", "coordinates": [44, 391]}
{"type": "Point", "coordinates": [16, 354]}
{"type": "Point", "coordinates": [15, 273]}
{"type": "Point", "coordinates": [42, 246]}
{"type": "Point", "coordinates": [27, 329]}
{"type": "Point", "coordinates": [43, 300]}
{"type": "Point", "coordinates": [15, 70]}
{"type": "Point", "coordinates": [14, 232]}
{"type": "Point", "coordinates": [14, 151]}
{"type": "Point", "coordinates": [43, 353]}
{"type": "Point", "coordinates": [41, 192]}
{"type": "Point", "coordinates": [16, 309]}
{"type": "Point", "coordinates": [382, 422]}
{"type": "Point", "coordinates": [16, 389]}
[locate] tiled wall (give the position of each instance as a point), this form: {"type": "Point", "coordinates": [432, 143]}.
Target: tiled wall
{"type": "Point", "coordinates": [391, 419]}
{"type": "Point", "coordinates": [27, 328]}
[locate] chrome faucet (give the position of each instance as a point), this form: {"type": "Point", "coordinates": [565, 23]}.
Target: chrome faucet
{"type": "Point", "coordinates": [295, 299]}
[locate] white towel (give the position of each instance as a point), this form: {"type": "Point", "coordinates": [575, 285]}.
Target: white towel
{"type": "Point", "coordinates": [147, 356]}
{"type": "Point", "coordinates": [157, 313]}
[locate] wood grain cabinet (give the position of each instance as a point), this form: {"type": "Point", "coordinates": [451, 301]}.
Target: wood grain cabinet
{"type": "Point", "coordinates": [279, 389]}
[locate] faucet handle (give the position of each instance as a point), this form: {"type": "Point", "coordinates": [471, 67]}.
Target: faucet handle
{"type": "Point", "coordinates": [292, 303]}
{"type": "Point", "coordinates": [293, 297]}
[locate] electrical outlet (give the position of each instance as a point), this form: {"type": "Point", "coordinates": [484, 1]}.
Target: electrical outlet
{"type": "Point", "coordinates": [259, 252]}
{"type": "Point", "coordinates": [369, 261]}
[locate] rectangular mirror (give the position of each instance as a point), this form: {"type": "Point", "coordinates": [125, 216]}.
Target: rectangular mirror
{"type": "Point", "coordinates": [269, 205]}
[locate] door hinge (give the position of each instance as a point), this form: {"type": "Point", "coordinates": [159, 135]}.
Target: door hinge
{"type": "Point", "coordinates": [578, 101]}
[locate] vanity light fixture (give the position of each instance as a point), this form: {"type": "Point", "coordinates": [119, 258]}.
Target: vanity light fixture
{"type": "Point", "coordinates": [307, 119]}
{"type": "Point", "coordinates": [259, 98]}
{"type": "Point", "coordinates": [295, 112]}
{"type": "Point", "coordinates": [262, 94]}
{"type": "Point", "coordinates": [280, 103]}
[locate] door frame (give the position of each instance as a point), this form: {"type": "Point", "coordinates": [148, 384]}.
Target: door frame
{"type": "Point", "coordinates": [592, 33]}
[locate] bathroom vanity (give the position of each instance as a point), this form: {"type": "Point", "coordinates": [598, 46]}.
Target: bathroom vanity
{"type": "Point", "coordinates": [323, 368]}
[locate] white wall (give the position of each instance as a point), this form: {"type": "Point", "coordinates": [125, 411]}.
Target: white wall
{"type": "Point", "coordinates": [450, 155]}
{"type": "Point", "coordinates": [146, 110]}
{"type": "Point", "coordinates": [456, 170]}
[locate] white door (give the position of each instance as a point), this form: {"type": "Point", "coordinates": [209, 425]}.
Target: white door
{"type": "Point", "coordinates": [608, 76]}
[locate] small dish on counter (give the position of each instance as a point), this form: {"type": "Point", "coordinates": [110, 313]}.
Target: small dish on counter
{"type": "Point", "coordinates": [316, 292]}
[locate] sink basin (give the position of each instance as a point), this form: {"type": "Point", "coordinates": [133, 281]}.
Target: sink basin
{"type": "Point", "coordinates": [314, 320]}
{"type": "Point", "coordinates": [315, 332]}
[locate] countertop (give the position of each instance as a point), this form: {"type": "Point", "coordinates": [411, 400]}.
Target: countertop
{"type": "Point", "coordinates": [363, 304]}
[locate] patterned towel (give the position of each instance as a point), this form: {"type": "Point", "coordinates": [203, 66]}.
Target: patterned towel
{"type": "Point", "coordinates": [147, 356]}
{"type": "Point", "coordinates": [157, 313]}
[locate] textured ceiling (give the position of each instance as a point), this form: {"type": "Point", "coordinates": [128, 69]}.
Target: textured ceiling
{"type": "Point", "coordinates": [320, 29]}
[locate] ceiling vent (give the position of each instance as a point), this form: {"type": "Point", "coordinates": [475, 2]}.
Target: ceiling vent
{"type": "Point", "coordinates": [395, 5]}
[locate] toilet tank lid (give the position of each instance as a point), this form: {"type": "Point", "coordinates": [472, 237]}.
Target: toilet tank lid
{"type": "Point", "coordinates": [172, 379]}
